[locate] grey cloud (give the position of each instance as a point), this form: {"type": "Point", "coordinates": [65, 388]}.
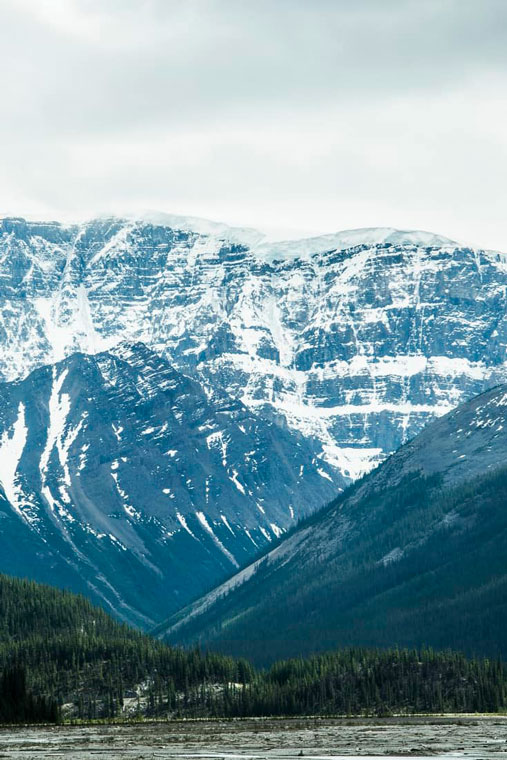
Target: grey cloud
{"type": "Point", "coordinates": [194, 60]}
{"type": "Point", "coordinates": [347, 112]}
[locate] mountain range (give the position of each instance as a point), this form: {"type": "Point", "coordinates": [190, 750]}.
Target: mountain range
{"type": "Point", "coordinates": [355, 340]}
{"type": "Point", "coordinates": [177, 394]}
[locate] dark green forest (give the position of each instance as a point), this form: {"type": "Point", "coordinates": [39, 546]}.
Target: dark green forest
{"type": "Point", "coordinates": [62, 657]}
{"type": "Point", "coordinates": [72, 651]}
{"type": "Point", "coordinates": [19, 705]}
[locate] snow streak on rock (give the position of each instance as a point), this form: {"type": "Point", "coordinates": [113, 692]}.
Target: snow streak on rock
{"type": "Point", "coordinates": [356, 340]}
{"type": "Point", "coordinates": [12, 444]}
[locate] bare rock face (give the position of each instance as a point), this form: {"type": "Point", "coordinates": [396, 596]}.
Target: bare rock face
{"type": "Point", "coordinates": [356, 339]}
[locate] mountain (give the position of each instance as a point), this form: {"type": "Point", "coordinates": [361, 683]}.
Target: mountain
{"type": "Point", "coordinates": [124, 479]}
{"type": "Point", "coordinates": [355, 340]}
{"type": "Point", "coordinates": [177, 393]}
{"type": "Point", "coordinates": [413, 554]}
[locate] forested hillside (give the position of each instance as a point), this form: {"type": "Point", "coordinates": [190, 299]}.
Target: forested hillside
{"type": "Point", "coordinates": [19, 705]}
{"type": "Point", "coordinates": [75, 656]}
{"type": "Point", "coordinates": [75, 652]}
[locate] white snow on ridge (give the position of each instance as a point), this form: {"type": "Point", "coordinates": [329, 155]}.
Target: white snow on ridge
{"type": "Point", "coordinates": [184, 525]}
{"type": "Point", "coordinates": [226, 523]}
{"type": "Point", "coordinates": [323, 474]}
{"type": "Point", "coordinates": [352, 462]}
{"type": "Point", "coordinates": [234, 479]}
{"type": "Point", "coordinates": [67, 335]}
{"type": "Point", "coordinates": [118, 241]}
{"type": "Point", "coordinates": [292, 407]}
{"type": "Point", "coordinates": [11, 450]}
{"type": "Point", "coordinates": [264, 247]}
{"type": "Point", "coordinates": [403, 365]}
{"type": "Point", "coordinates": [62, 439]}
{"type": "Point", "coordinates": [246, 235]}
{"type": "Point", "coordinates": [127, 506]}
{"type": "Point", "coordinates": [393, 556]}
{"type": "Point", "coordinates": [64, 447]}
{"type": "Point", "coordinates": [217, 439]}
{"type": "Point", "coordinates": [59, 407]}
{"type": "Point", "coordinates": [292, 249]}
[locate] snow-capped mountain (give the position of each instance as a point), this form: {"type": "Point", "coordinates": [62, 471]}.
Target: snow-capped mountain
{"type": "Point", "coordinates": [413, 554]}
{"type": "Point", "coordinates": [356, 339]}
{"type": "Point", "coordinates": [126, 480]}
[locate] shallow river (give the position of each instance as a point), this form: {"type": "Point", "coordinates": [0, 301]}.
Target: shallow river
{"type": "Point", "coordinates": [470, 737]}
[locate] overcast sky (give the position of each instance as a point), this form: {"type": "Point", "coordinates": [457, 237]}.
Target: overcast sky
{"type": "Point", "coordinates": [300, 116]}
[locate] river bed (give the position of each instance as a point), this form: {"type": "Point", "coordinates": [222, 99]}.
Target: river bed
{"type": "Point", "coordinates": [264, 738]}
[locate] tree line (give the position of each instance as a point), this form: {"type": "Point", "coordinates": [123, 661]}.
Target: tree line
{"type": "Point", "coordinates": [57, 650]}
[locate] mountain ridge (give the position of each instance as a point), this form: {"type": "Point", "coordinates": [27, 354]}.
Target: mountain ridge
{"type": "Point", "coordinates": [404, 556]}
{"type": "Point", "coordinates": [252, 236]}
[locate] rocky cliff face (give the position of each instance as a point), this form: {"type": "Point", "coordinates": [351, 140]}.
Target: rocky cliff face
{"type": "Point", "coordinates": [126, 480]}
{"type": "Point", "coordinates": [356, 339]}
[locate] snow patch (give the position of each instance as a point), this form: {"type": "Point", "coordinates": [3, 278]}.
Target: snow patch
{"type": "Point", "coordinates": [239, 486]}
{"type": "Point", "coordinates": [12, 445]}
{"type": "Point", "coordinates": [202, 519]}
{"type": "Point", "coordinates": [184, 525]}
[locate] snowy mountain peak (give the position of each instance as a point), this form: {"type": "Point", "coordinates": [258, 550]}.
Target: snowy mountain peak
{"type": "Point", "coordinates": [252, 238]}
{"type": "Point", "coordinates": [349, 239]}
{"type": "Point", "coordinates": [243, 235]}
{"type": "Point", "coordinates": [356, 348]}
{"type": "Point", "coordinates": [246, 236]}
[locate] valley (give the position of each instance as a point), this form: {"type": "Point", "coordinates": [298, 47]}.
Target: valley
{"type": "Point", "coordinates": [251, 451]}
{"type": "Point", "coordinates": [179, 394]}
{"type": "Point", "coordinates": [253, 479]}
{"type": "Point", "coordinates": [412, 554]}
